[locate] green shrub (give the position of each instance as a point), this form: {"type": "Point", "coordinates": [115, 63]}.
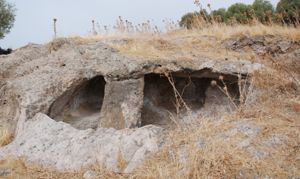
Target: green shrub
{"type": "Point", "coordinates": [289, 11]}
{"type": "Point", "coordinates": [194, 19]}
{"type": "Point", "coordinates": [263, 10]}
{"type": "Point", "coordinates": [220, 15]}
{"type": "Point", "coordinates": [7, 17]}
{"type": "Point", "coordinates": [242, 13]}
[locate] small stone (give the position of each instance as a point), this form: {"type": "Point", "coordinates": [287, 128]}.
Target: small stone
{"type": "Point", "coordinates": [4, 172]}
{"type": "Point", "coordinates": [244, 143]}
{"type": "Point", "coordinates": [201, 143]}
{"type": "Point", "coordinates": [89, 174]}
{"type": "Point", "coordinates": [275, 140]}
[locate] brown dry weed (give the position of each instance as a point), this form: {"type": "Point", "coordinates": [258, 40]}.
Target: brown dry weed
{"type": "Point", "coordinates": [209, 149]}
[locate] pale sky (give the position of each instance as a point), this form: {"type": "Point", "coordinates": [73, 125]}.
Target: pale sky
{"type": "Point", "coordinates": [34, 17]}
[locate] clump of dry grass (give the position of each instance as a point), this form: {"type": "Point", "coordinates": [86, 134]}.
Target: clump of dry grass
{"type": "Point", "coordinates": [223, 32]}
{"type": "Point", "coordinates": [178, 43]}
{"type": "Point", "coordinates": [188, 44]}
{"type": "Point", "coordinates": [276, 111]}
{"type": "Point", "coordinates": [122, 163]}
{"type": "Point", "coordinates": [20, 168]}
{"type": "Point", "coordinates": [221, 157]}
{"type": "Point", "coordinates": [5, 137]}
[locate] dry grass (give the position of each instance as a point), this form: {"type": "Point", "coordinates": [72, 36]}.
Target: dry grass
{"type": "Point", "coordinates": [5, 137]}
{"type": "Point", "coordinates": [211, 148]}
{"type": "Point", "coordinates": [122, 163]}
{"type": "Point", "coordinates": [19, 169]}
{"type": "Point", "coordinates": [207, 42]}
{"type": "Point", "coordinates": [223, 32]}
{"type": "Point", "coordinates": [189, 44]}
{"type": "Point", "coordinates": [219, 157]}
{"type": "Point", "coordinates": [274, 113]}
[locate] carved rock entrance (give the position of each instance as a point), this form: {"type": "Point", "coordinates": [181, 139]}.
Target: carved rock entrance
{"type": "Point", "coordinates": [161, 104]}
{"type": "Point", "coordinates": [81, 105]}
{"type": "Point", "coordinates": [147, 100]}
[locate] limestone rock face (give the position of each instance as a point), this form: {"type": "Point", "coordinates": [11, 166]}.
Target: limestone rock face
{"type": "Point", "coordinates": [59, 145]}
{"type": "Point", "coordinates": [71, 104]}
{"type": "Point", "coordinates": [123, 101]}
{"type": "Point", "coordinates": [36, 77]}
{"type": "Point", "coordinates": [262, 44]}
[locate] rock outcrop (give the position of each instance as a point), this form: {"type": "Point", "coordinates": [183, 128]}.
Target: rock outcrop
{"type": "Point", "coordinates": [58, 145]}
{"type": "Point", "coordinates": [36, 77]}
{"type": "Point", "coordinates": [262, 44]}
{"type": "Point", "coordinates": [72, 104]}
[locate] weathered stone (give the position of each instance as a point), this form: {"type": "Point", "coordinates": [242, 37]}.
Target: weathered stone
{"type": "Point", "coordinates": [33, 78]}
{"type": "Point", "coordinates": [61, 80]}
{"type": "Point", "coordinates": [89, 174]}
{"type": "Point", "coordinates": [276, 140]}
{"type": "Point", "coordinates": [123, 102]}
{"type": "Point", "coordinates": [4, 172]}
{"type": "Point", "coordinates": [262, 44]}
{"type": "Point", "coordinates": [80, 106]}
{"type": "Point", "coordinates": [58, 145]}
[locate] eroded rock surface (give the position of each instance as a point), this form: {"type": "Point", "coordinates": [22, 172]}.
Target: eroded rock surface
{"type": "Point", "coordinates": [123, 102]}
{"type": "Point", "coordinates": [90, 90]}
{"type": "Point", "coordinates": [59, 145]}
{"type": "Point", "coordinates": [262, 44]}
{"type": "Point", "coordinates": [35, 77]}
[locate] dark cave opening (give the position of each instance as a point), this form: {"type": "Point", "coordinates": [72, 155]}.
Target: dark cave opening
{"type": "Point", "coordinates": [80, 106]}
{"type": "Point", "coordinates": [160, 101]}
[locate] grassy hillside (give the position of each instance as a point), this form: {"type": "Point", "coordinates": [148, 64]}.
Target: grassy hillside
{"type": "Point", "coordinates": [259, 139]}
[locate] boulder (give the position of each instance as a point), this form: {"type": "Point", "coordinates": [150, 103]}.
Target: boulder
{"type": "Point", "coordinates": [60, 146]}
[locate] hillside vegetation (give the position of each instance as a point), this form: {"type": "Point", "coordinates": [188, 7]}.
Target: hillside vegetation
{"type": "Point", "coordinates": [260, 138]}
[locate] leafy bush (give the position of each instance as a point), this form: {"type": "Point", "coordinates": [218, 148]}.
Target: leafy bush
{"type": "Point", "coordinates": [188, 20]}
{"type": "Point", "coordinates": [194, 19]}
{"type": "Point", "coordinates": [240, 12]}
{"type": "Point", "coordinates": [263, 10]}
{"type": "Point", "coordinates": [7, 17]}
{"type": "Point", "coordinates": [289, 11]}
{"type": "Point", "coordinates": [220, 15]}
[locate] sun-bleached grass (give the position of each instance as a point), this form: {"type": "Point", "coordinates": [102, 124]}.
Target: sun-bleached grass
{"type": "Point", "coordinates": [211, 149]}
{"type": "Point", "coordinates": [5, 137]}
{"type": "Point", "coordinates": [276, 111]}
{"type": "Point", "coordinates": [218, 157]}
{"type": "Point", "coordinates": [189, 44]}
{"type": "Point", "coordinates": [207, 42]}
{"type": "Point", "coordinates": [222, 31]}
{"type": "Point", "coordinates": [217, 30]}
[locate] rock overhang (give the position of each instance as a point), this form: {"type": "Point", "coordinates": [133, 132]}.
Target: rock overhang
{"type": "Point", "coordinates": [44, 77]}
{"type": "Point", "coordinates": [36, 77]}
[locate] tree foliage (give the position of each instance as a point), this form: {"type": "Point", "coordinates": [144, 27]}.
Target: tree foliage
{"type": "Point", "coordinates": [7, 17]}
{"type": "Point", "coordinates": [194, 19]}
{"type": "Point", "coordinates": [220, 15]}
{"type": "Point", "coordinates": [188, 20]}
{"type": "Point", "coordinates": [289, 10]}
{"type": "Point", "coordinates": [240, 12]}
{"type": "Point", "coordinates": [263, 10]}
